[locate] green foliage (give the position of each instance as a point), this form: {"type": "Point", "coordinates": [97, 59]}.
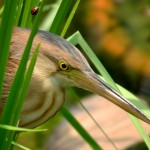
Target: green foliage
{"type": "Point", "coordinates": [80, 129]}
{"type": "Point", "coordinates": [58, 21]}
{"type": "Point", "coordinates": [78, 39]}
{"type": "Point", "coordinates": [22, 17]}
{"type": "Point", "coordinates": [20, 84]}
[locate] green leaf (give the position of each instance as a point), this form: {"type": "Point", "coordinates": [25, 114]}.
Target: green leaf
{"type": "Point", "coordinates": [6, 28]}
{"type": "Point", "coordinates": [58, 21]}
{"type": "Point", "coordinates": [11, 118]}
{"type": "Point", "coordinates": [70, 18]}
{"type": "Point", "coordinates": [20, 146]}
{"type": "Point", "coordinates": [80, 129]}
{"type": "Point", "coordinates": [7, 127]}
{"type": "Point", "coordinates": [78, 39]}
{"type": "Point", "coordinates": [25, 14]}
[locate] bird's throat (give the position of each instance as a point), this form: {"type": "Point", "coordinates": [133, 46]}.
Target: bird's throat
{"type": "Point", "coordinates": [47, 104]}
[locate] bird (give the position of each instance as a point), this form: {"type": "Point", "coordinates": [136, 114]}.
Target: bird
{"type": "Point", "coordinates": [59, 64]}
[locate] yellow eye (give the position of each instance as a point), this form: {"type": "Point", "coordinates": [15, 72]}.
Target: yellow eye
{"type": "Point", "coordinates": [64, 65]}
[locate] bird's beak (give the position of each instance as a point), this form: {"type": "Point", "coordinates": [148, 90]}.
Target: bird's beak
{"type": "Point", "coordinates": [92, 82]}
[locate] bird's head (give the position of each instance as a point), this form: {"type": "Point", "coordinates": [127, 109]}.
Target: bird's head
{"type": "Point", "coordinates": [72, 68]}
{"type": "Point", "coordinates": [66, 65]}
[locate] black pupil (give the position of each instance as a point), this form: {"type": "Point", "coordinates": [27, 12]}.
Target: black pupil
{"type": "Point", "coordinates": [64, 66]}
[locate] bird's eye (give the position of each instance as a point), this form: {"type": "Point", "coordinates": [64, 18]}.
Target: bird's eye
{"type": "Point", "coordinates": [64, 65]}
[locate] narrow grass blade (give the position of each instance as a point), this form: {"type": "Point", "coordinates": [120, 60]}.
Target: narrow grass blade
{"type": "Point", "coordinates": [27, 79]}
{"type": "Point", "coordinates": [141, 106]}
{"type": "Point", "coordinates": [6, 27]}
{"type": "Point", "coordinates": [12, 128]}
{"type": "Point", "coordinates": [21, 13]}
{"type": "Point", "coordinates": [1, 11]}
{"type": "Point", "coordinates": [141, 130]}
{"type": "Point", "coordinates": [56, 28]}
{"type": "Point", "coordinates": [75, 39]}
{"type": "Point", "coordinates": [20, 146]}
{"type": "Point", "coordinates": [8, 17]}
{"type": "Point", "coordinates": [80, 129]}
{"type": "Point", "coordinates": [26, 17]}
{"type": "Point", "coordinates": [11, 118]}
{"type": "Point", "coordinates": [20, 73]}
{"type": "Point", "coordinates": [19, 8]}
{"type": "Point", "coordinates": [58, 21]}
{"type": "Point", "coordinates": [70, 18]}
{"type": "Point", "coordinates": [78, 39]}
{"type": "Point", "coordinates": [25, 14]}
{"type": "Point", "coordinates": [74, 95]}
{"type": "Point", "coordinates": [65, 112]}
{"type": "Point", "coordinates": [51, 12]}
{"type": "Point", "coordinates": [145, 109]}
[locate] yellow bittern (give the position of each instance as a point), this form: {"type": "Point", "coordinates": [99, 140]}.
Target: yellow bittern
{"type": "Point", "coordinates": [59, 64]}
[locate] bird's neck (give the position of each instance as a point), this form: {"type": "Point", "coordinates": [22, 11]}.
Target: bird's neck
{"type": "Point", "coordinates": [46, 104]}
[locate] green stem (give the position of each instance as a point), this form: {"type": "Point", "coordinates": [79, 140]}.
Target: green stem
{"type": "Point", "coordinates": [80, 129]}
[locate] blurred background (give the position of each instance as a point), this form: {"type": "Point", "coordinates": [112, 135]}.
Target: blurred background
{"type": "Point", "coordinates": [118, 31]}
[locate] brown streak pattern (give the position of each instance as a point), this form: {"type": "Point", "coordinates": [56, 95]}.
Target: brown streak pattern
{"type": "Point", "coordinates": [45, 115]}
{"type": "Point", "coordinates": [37, 106]}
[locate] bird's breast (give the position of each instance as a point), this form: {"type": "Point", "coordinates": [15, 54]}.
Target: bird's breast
{"type": "Point", "coordinates": [39, 107]}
